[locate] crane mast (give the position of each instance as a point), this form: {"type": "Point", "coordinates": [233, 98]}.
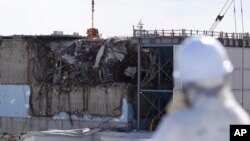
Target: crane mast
{"type": "Point", "coordinates": [92, 32]}
{"type": "Point", "coordinates": [93, 10]}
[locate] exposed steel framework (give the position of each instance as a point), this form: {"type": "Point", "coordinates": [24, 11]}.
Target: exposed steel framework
{"type": "Point", "coordinates": [156, 39]}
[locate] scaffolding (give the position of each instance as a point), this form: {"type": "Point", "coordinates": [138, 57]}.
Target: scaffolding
{"type": "Point", "coordinates": [151, 91]}
{"type": "Point", "coordinates": [159, 40]}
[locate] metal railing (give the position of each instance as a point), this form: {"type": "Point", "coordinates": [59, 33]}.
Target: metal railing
{"type": "Point", "coordinates": [187, 33]}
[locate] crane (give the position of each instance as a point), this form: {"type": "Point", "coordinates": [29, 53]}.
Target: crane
{"type": "Point", "coordinates": [92, 32]}
{"type": "Point", "coordinates": [220, 16]}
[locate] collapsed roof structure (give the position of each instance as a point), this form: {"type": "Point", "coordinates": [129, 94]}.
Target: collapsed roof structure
{"type": "Point", "coordinates": [77, 76]}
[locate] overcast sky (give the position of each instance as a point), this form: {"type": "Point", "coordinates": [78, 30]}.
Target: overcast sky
{"type": "Point", "coordinates": [115, 17]}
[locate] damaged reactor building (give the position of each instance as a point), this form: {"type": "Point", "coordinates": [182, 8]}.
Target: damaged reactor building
{"type": "Point", "coordinates": [67, 82]}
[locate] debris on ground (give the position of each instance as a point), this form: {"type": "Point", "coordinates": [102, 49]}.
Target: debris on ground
{"type": "Point", "coordinates": [11, 137]}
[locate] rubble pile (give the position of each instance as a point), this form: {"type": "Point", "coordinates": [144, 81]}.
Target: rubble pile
{"type": "Point", "coordinates": [84, 62]}
{"type": "Point", "coordinates": [65, 74]}
{"type": "Point", "coordinates": [69, 76]}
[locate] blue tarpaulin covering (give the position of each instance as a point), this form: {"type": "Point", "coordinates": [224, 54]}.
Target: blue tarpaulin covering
{"type": "Point", "coordinates": [14, 100]}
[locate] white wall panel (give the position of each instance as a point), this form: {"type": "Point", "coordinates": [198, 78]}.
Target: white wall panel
{"type": "Point", "coordinates": [236, 79]}
{"type": "Point", "coordinates": [14, 100]}
{"type": "Point", "coordinates": [238, 95]}
{"type": "Point", "coordinates": [247, 79]}
{"type": "Point", "coordinates": [246, 99]}
{"type": "Point", "coordinates": [177, 84]}
{"type": "Point", "coordinates": [235, 56]}
{"type": "Point", "coordinates": [246, 58]}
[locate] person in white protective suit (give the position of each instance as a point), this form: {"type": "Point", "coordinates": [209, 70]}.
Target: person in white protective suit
{"type": "Point", "coordinates": [203, 67]}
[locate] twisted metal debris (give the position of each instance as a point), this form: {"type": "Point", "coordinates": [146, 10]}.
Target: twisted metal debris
{"type": "Point", "coordinates": [85, 62]}
{"type": "Point", "coordinates": [61, 68]}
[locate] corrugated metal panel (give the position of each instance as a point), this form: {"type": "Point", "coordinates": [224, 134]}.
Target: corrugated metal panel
{"type": "Point", "coordinates": [13, 62]}
{"type": "Point", "coordinates": [104, 101]}
{"type": "Point", "coordinates": [14, 100]}
{"type": "Point", "coordinates": [95, 100]}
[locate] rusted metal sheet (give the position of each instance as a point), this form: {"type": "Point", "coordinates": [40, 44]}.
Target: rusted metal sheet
{"type": "Point", "coordinates": [13, 62]}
